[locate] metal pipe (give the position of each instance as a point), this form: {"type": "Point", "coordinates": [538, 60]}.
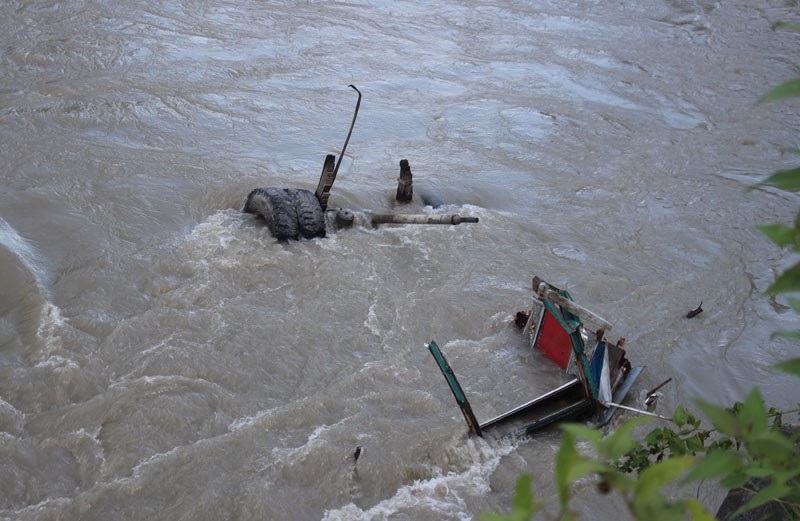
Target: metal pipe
{"type": "Point", "coordinates": [420, 219]}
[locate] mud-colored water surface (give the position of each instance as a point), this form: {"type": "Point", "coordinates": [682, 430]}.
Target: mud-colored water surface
{"type": "Point", "coordinates": [163, 357]}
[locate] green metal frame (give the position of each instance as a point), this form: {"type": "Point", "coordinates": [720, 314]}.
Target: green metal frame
{"type": "Point", "coordinates": [455, 387]}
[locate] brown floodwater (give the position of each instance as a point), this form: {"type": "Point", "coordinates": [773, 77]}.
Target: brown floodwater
{"type": "Point", "coordinates": [163, 357]}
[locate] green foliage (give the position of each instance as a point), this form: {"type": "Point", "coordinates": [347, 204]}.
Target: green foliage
{"type": "Point", "coordinates": [644, 495]}
{"type": "Point", "coordinates": [789, 180]}
{"type": "Point", "coordinates": [788, 26]}
{"type": "Point", "coordinates": [790, 89]}
{"type": "Point", "coordinates": [790, 366]}
{"type": "Point", "coordinates": [744, 443]}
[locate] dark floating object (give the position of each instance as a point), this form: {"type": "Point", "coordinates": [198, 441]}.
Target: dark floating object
{"type": "Point", "coordinates": [693, 313]}
{"type": "Point", "coordinates": [652, 396]}
{"type": "Point", "coordinates": [357, 453]}
{"type": "Point", "coordinates": [405, 187]}
{"type": "Point", "coordinates": [294, 213]}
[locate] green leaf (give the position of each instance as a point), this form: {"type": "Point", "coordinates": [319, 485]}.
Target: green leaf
{"type": "Point", "coordinates": [522, 495]}
{"type": "Point", "coordinates": [647, 502]}
{"type": "Point", "coordinates": [735, 480]}
{"type": "Point", "coordinates": [790, 366]}
{"type": "Point", "coordinates": [770, 446]}
{"type": "Point", "coordinates": [656, 508]}
{"type": "Point", "coordinates": [788, 180]}
{"type": "Point", "coordinates": [758, 472]}
{"type": "Point", "coordinates": [589, 434]}
{"type": "Point", "coordinates": [525, 506]}
{"type": "Point", "coordinates": [680, 416]}
{"type": "Point", "coordinates": [788, 26]}
{"type": "Point", "coordinates": [724, 421]}
{"type": "Point", "coordinates": [677, 446]}
{"type": "Point", "coordinates": [789, 89]}
{"type": "Point", "coordinates": [780, 234]}
{"type": "Point", "coordinates": [715, 464]}
{"type": "Point", "coordinates": [620, 442]}
{"type": "Point", "coordinates": [654, 436]}
{"type": "Point", "coordinates": [754, 412]}
{"type": "Point", "coordinates": [695, 443]}
{"type": "Point", "coordinates": [583, 466]}
{"type": "Point", "coordinates": [565, 457]}
{"type": "Point", "coordinates": [662, 473]}
{"type": "Point", "coordinates": [788, 281]}
{"type": "Point", "coordinates": [791, 335]}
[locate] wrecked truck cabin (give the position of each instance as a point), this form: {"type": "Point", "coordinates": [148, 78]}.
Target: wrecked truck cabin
{"type": "Point", "coordinates": [598, 374]}
{"type": "Point", "coordinates": [295, 213]}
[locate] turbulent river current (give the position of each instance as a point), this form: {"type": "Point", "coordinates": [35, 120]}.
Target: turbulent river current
{"type": "Point", "coordinates": [163, 357]}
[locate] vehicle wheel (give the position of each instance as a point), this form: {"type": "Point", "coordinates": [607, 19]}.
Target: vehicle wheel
{"type": "Point", "coordinates": [277, 209]}
{"type": "Point", "coordinates": [310, 217]}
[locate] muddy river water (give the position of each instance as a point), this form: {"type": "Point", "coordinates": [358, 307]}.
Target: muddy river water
{"type": "Point", "coordinates": [163, 357]}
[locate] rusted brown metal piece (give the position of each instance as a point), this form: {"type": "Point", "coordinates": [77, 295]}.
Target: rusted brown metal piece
{"type": "Point", "coordinates": [326, 179]}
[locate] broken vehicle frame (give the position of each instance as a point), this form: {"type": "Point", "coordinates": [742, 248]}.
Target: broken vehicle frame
{"type": "Point", "coordinates": [295, 212]}
{"type": "Point", "coordinates": [558, 328]}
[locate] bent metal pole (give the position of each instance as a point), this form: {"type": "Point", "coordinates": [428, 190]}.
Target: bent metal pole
{"type": "Point", "coordinates": [328, 175]}
{"type": "Point", "coordinates": [347, 140]}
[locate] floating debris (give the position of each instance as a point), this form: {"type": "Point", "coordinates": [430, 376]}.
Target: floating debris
{"type": "Point", "coordinates": [696, 311]}
{"type": "Point", "coordinates": [296, 213]}
{"type": "Point", "coordinates": [652, 396]}
{"type": "Point", "coordinates": [599, 373]}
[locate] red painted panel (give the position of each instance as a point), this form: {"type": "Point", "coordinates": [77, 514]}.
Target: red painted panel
{"type": "Point", "coordinates": [554, 341]}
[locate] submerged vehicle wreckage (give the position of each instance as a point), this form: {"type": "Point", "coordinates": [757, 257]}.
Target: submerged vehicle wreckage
{"type": "Point", "coordinates": [601, 375]}
{"type": "Point", "coordinates": [294, 213]}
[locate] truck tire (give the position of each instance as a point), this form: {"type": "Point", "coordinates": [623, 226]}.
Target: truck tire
{"type": "Point", "coordinates": [310, 217]}
{"type": "Point", "coordinates": [276, 207]}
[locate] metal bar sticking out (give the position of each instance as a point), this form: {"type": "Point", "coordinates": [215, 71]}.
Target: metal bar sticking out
{"type": "Point", "coordinates": [350, 132]}
{"type": "Point", "coordinates": [326, 179]}
{"type": "Point", "coordinates": [329, 171]}
{"type": "Point", "coordinates": [646, 413]}
{"type": "Point", "coordinates": [379, 218]}
{"type": "Point", "coordinates": [458, 393]}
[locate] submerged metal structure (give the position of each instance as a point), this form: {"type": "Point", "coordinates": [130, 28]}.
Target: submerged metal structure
{"type": "Point", "coordinates": [294, 213]}
{"type": "Point", "coordinates": [599, 375]}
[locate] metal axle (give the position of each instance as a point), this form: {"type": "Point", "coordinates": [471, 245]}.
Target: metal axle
{"type": "Point", "coordinates": [420, 219]}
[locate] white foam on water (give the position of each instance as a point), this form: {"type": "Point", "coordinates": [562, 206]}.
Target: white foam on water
{"type": "Point", "coordinates": [58, 362]}
{"type": "Point", "coordinates": [371, 322]}
{"type": "Point", "coordinates": [50, 319]}
{"type": "Point", "coordinates": [24, 250]}
{"type": "Point", "coordinates": [314, 441]}
{"type": "Point", "coordinates": [442, 496]}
